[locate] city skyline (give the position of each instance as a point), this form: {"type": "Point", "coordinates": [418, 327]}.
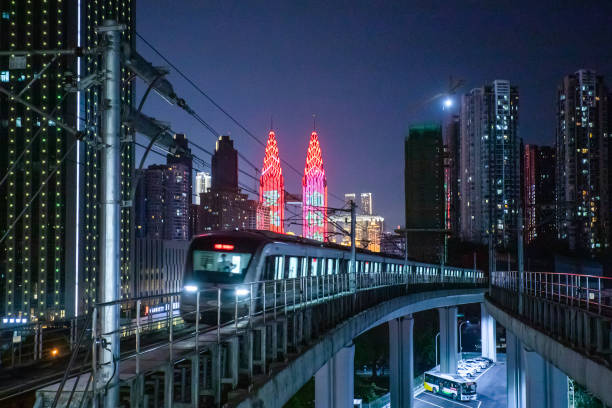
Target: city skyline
{"type": "Point", "coordinates": [195, 198]}
{"type": "Point", "coordinates": [370, 87]}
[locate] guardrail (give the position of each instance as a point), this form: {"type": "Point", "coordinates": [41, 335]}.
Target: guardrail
{"type": "Point", "coordinates": [575, 310]}
{"type": "Point", "coordinates": [588, 292]}
{"type": "Point", "coordinates": [229, 309]}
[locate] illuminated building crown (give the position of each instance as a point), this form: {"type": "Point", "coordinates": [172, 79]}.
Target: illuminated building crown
{"type": "Point", "coordinates": [314, 193]}
{"type": "Point", "coordinates": [271, 189]}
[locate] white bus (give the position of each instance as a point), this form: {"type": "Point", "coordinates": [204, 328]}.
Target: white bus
{"type": "Point", "coordinates": [449, 385]}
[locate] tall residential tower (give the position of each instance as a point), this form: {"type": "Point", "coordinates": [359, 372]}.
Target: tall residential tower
{"type": "Point", "coordinates": [583, 130]}
{"type": "Point", "coordinates": [49, 258]}
{"type": "Point", "coordinates": [490, 164]}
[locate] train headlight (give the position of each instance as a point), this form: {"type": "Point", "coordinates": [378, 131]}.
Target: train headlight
{"type": "Point", "coordinates": [191, 288]}
{"type": "Point", "coordinates": [242, 292]}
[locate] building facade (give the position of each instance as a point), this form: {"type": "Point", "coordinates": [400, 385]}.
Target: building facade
{"type": "Point", "coordinates": [393, 244]}
{"type": "Point", "coordinates": [366, 203]}
{"type": "Point", "coordinates": [49, 256]}
{"type": "Point", "coordinates": [158, 266]}
{"type": "Point", "coordinates": [202, 185]}
{"type": "Point", "coordinates": [490, 164]}
{"type": "Point", "coordinates": [539, 193]}
{"type": "Point", "coordinates": [162, 202]}
{"type": "Point", "coordinates": [368, 228]}
{"type": "Point", "coordinates": [314, 193]}
{"type": "Point", "coordinates": [368, 231]}
{"type": "Point", "coordinates": [452, 150]}
{"type": "Point", "coordinates": [583, 155]}
{"type": "Point", "coordinates": [424, 191]}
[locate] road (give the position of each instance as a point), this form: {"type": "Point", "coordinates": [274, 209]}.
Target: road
{"type": "Point", "coordinates": [491, 390]}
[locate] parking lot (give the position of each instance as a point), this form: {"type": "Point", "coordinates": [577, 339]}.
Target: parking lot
{"type": "Point", "coordinates": [491, 391]}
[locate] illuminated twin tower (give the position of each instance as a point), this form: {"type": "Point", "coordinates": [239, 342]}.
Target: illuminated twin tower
{"type": "Point", "coordinates": [314, 191]}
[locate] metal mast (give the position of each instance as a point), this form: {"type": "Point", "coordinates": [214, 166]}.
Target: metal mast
{"type": "Point", "coordinates": [111, 213]}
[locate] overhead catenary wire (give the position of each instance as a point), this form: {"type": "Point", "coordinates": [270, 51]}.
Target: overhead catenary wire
{"type": "Point", "coordinates": [225, 112]}
{"type": "Point", "coordinates": [35, 195]}
{"type": "Point", "coordinates": [30, 143]}
{"type": "Point", "coordinates": [166, 152]}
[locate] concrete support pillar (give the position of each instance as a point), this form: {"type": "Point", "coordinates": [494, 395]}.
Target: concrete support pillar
{"type": "Point", "coordinates": [546, 385]}
{"type": "Point", "coordinates": [334, 382]}
{"type": "Point", "coordinates": [195, 380]}
{"type": "Point", "coordinates": [401, 362]}
{"type": "Point", "coordinates": [448, 339]}
{"type": "Point", "coordinates": [515, 372]}
{"type": "Point", "coordinates": [488, 334]}
{"type": "Point", "coordinates": [169, 386]}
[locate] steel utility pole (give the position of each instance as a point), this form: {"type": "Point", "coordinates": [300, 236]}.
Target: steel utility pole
{"type": "Point", "coordinates": [353, 240]}
{"type": "Point", "coordinates": [520, 264]}
{"type": "Point", "coordinates": [111, 217]}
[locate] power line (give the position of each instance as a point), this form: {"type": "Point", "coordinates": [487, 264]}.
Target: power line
{"type": "Point", "coordinates": [32, 140]}
{"type": "Point", "coordinates": [226, 113]}
{"type": "Point", "coordinates": [25, 208]}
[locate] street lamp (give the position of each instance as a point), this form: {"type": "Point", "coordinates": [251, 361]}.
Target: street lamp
{"type": "Point", "coordinates": [436, 343]}
{"type": "Point", "coordinates": [461, 345]}
{"type": "Point", "coordinates": [448, 102]}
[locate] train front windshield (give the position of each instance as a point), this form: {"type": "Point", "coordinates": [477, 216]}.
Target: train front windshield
{"type": "Point", "coordinates": [218, 259]}
{"type": "Point", "coordinates": [210, 263]}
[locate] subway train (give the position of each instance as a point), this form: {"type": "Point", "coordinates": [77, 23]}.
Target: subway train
{"type": "Point", "coordinates": [232, 260]}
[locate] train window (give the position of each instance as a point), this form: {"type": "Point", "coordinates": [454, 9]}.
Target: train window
{"type": "Point", "coordinates": [304, 266]}
{"type": "Point", "coordinates": [279, 267]}
{"type": "Point", "coordinates": [330, 266]}
{"type": "Point", "coordinates": [268, 273]}
{"type": "Point", "coordinates": [313, 266]}
{"type": "Point", "coordinates": [367, 267]}
{"type": "Point", "coordinates": [293, 267]}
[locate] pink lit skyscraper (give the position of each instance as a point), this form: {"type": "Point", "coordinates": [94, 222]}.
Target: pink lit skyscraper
{"type": "Point", "coordinates": [271, 190]}
{"type": "Point", "coordinates": [314, 193]}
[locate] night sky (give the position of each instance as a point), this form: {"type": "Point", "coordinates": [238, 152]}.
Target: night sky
{"type": "Point", "coordinates": [364, 68]}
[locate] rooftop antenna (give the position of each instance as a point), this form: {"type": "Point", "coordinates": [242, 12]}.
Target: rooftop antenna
{"type": "Point", "coordinates": [314, 122]}
{"type": "Point", "coordinates": [271, 123]}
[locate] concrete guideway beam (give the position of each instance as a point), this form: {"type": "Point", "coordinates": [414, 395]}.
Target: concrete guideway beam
{"type": "Point", "coordinates": [584, 370]}
{"type": "Point", "coordinates": [546, 385]}
{"type": "Point", "coordinates": [488, 334]}
{"type": "Point", "coordinates": [287, 380]}
{"type": "Point", "coordinates": [448, 339]}
{"type": "Point", "coordinates": [401, 362]}
{"type": "Point", "coordinates": [515, 377]}
{"type": "Point", "coordinates": [334, 382]}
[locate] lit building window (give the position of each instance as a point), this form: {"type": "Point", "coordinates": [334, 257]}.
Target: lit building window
{"type": "Point", "coordinates": [4, 76]}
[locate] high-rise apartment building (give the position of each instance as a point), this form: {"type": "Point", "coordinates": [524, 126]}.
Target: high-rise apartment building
{"type": "Point", "coordinates": [202, 185]}
{"type": "Point", "coordinates": [366, 203]}
{"type": "Point", "coordinates": [490, 164]}
{"type": "Point", "coordinates": [364, 206]}
{"type": "Point", "coordinates": [583, 155]}
{"type": "Point", "coordinates": [162, 205]}
{"type": "Point", "coordinates": [49, 257]}
{"type": "Point", "coordinates": [539, 193]}
{"type": "Point", "coordinates": [424, 191]}
{"type": "Point", "coordinates": [450, 137]}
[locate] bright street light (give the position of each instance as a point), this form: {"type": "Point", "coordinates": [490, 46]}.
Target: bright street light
{"type": "Point", "coordinates": [448, 102]}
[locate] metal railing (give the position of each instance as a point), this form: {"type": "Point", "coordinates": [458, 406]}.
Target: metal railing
{"type": "Point", "coordinates": [588, 292]}
{"type": "Point", "coordinates": [227, 310]}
